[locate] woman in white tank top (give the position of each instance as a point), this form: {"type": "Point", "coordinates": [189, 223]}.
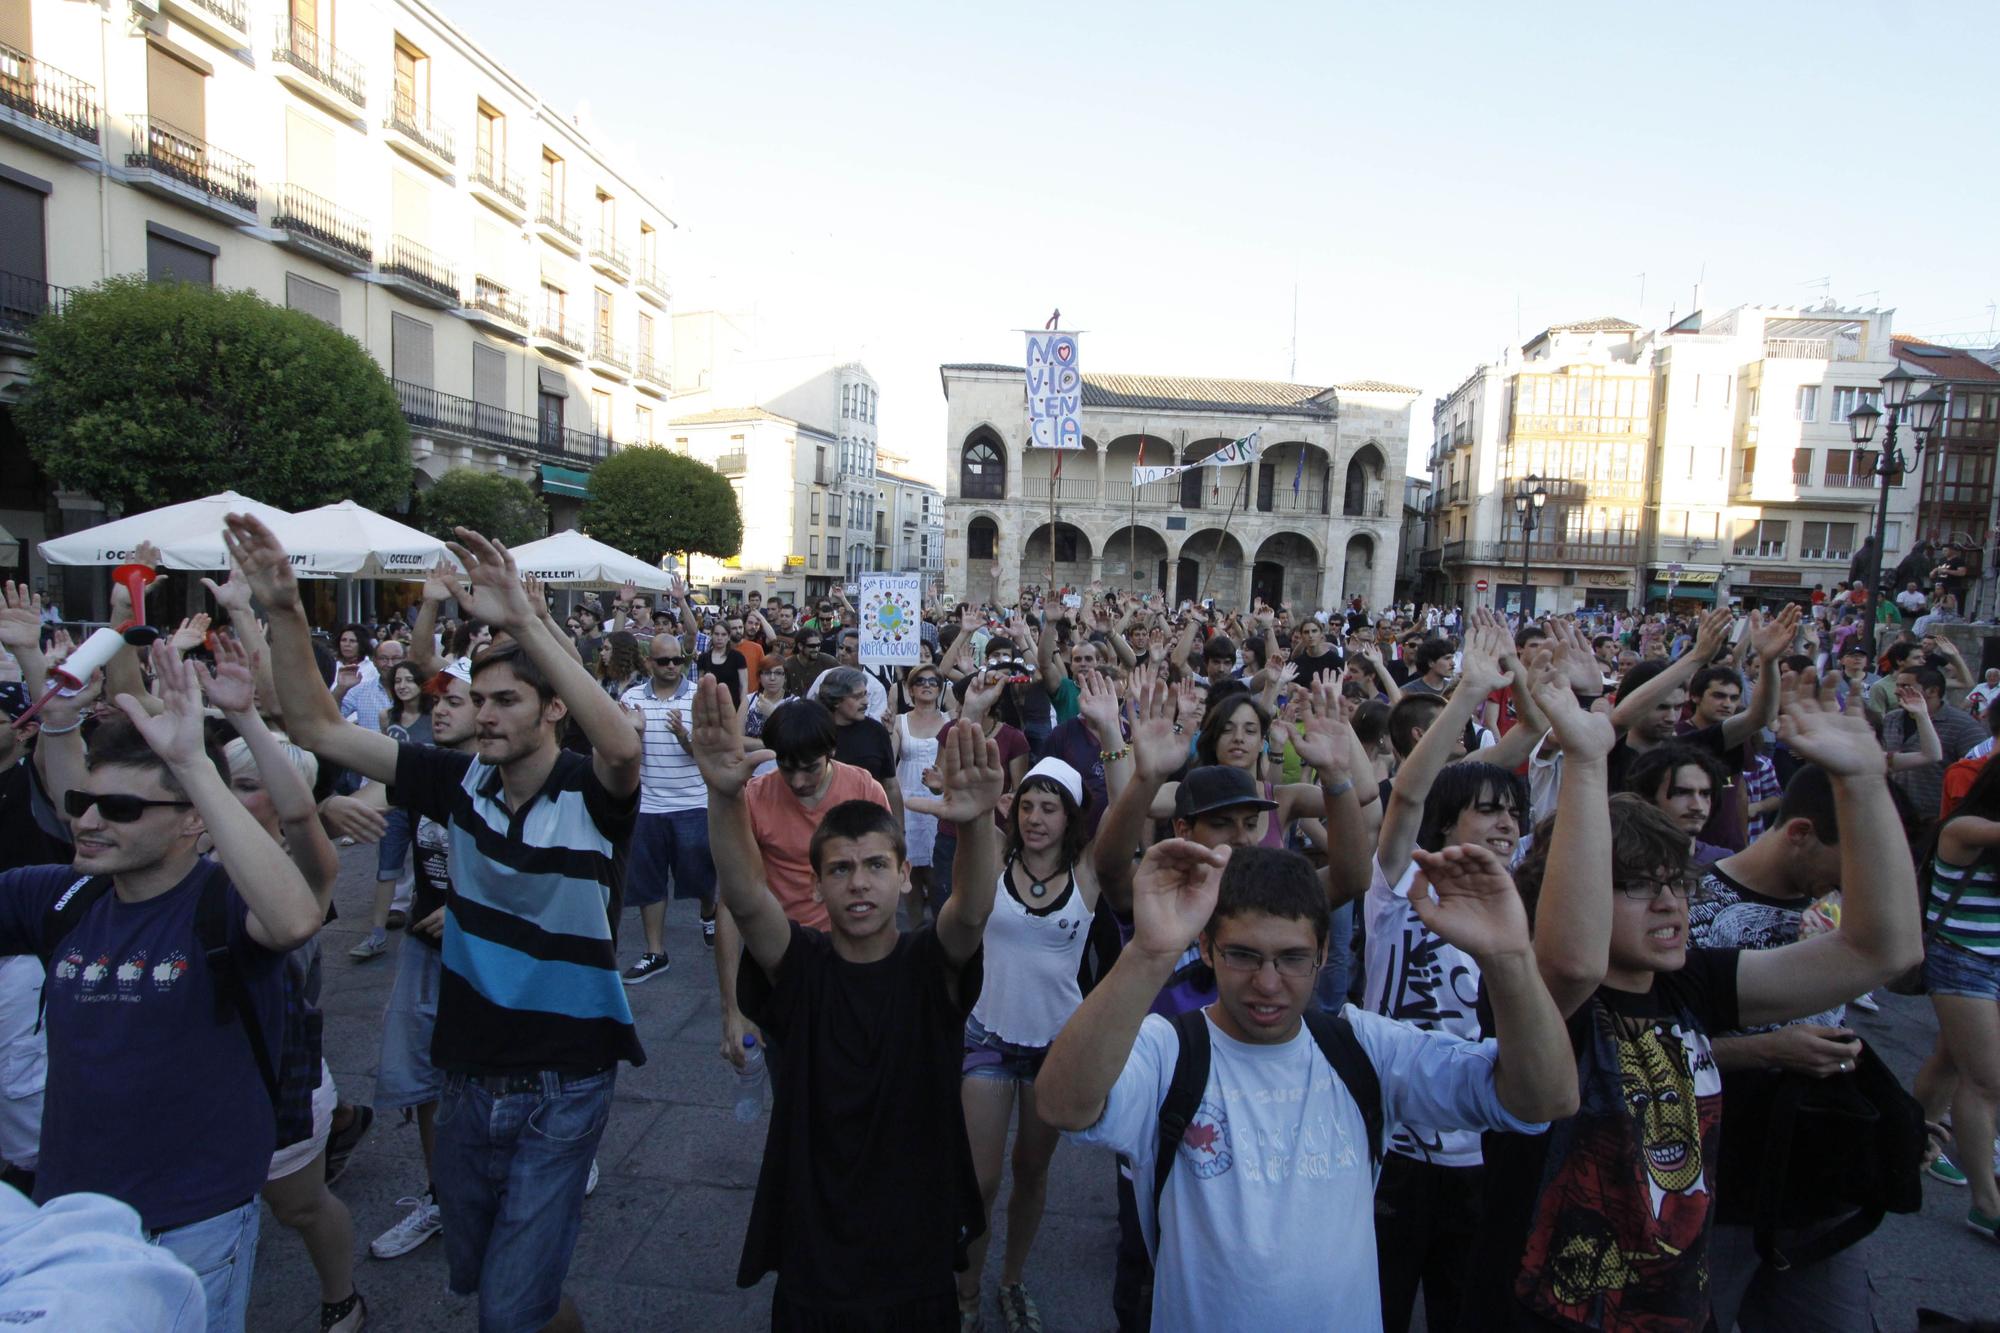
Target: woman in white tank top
{"type": "Point", "coordinates": [1034, 943]}
{"type": "Point", "coordinates": [914, 739]}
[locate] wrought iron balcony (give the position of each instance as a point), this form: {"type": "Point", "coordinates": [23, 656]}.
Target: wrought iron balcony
{"type": "Point", "coordinates": [498, 308]}
{"type": "Point", "coordinates": [419, 273]}
{"type": "Point", "coordinates": [23, 300]}
{"type": "Point", "coordinates": [431, 140]}
{"type": "Point", "coordinates": [325, 69]}
{"type": "Point", "coordinates": [652, 284]}
{"type": "Point", "coordinates": [229, 11]}
{"type": "Point", "coordinates": [609, 355]}
{"type": "Point", "coordinates": [652, 373]}
{"type": "Point", "coordinates": [435, 413]}
{"type": "Point", "coordinates": [1555, 549]}
{"type": "Point", "coordinates": [40, 103]}
{"type": "Point", "coordinates": [607, 256]}
{"type": "Point", "coordinates": [557, 225]}
{"type": "Point", "coordinates": [319, 225]}
{"type": "Point", "coordinates": [491, 177]}
{"type": "Point", "coordinates": [732, 464]}
{"type": "Point", "coordinates": [173, 156]}
{"type": "Point", "coordinates": [559, 339]}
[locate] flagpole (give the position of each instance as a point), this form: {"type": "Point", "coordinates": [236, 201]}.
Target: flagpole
{"type": "Point", "coordinates": [1132, 522]}
{"type": "Point", "coordinates": [1227, 519]}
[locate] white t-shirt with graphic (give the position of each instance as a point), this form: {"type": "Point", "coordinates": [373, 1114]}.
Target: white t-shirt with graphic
{"type": "Point", "coordinates": [1414, 977]}
{"type": "Point", "coordinates": [1273, 1176]}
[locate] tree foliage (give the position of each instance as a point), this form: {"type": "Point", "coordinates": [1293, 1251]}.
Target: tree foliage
{"type": "Point", "coordinates": [503, 508]}
{"type": "Point", "coordinates": [147, 394]}
{"type": "Point", "coordinates": [648, 501]}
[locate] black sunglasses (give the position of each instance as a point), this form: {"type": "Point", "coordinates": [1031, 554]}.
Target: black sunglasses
{"type": "Point", "coordinates": [117, 809]}
{"type": "Point", "coordinates": [810, 645]}
{"type": "Point", "coordinates": [669, 661]}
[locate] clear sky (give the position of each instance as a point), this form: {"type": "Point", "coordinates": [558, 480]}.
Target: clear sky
{"type": "Point", "coordinates": [909, 183]}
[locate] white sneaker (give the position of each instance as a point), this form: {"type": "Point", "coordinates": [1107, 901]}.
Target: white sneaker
{"type": "Point", "coordinates": [590, 1185]}
{"type": "Point", "coordinates": [425, 1220]}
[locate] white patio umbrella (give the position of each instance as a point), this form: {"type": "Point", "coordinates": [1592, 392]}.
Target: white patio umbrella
{"type": "Point", "coordinates": [579, 561]}
{"type": "Point", "coordinates": [188, 534]}
{"type": "Point", "coordinates": [348, 538]}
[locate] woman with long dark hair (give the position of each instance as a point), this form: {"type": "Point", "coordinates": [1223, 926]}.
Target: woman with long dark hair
{"type": "Point", "coordinates": [1235, 732]}
{"type": "Point", "coordinates": [618, 663]}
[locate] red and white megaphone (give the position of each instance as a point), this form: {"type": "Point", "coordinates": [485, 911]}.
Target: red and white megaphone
{"type": "Point", "coordinates": [97, 651]}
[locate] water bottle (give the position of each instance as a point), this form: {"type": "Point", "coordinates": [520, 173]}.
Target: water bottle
{"type": "Point", "coordinates": [750, 1080]}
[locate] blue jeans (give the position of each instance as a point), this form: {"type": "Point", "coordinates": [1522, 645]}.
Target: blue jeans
{"type": "Point", "coordinates": [509, 1170]}
{"type": "Point", "coordinates": [1330, 990]}
{"type": "Point", "coordinates": [221, 1250]}
{"type": "Point", "coordinates": [676, 842]}
{"type": "Point", "coordinates": [395, 845]}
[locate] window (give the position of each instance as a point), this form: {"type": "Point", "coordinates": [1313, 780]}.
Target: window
{"type": "Point", "coordinates": [833, 552]}
{"type": "Point", "coordinates": [812, 548]}
{"type": "Point", "coordinates": [982, 471]}
{"type": "Point", "coordinates": [1697, 391]}
{"type": "Point", "coordinates": [554, 183]}
{"type": "Point", "coordinates": [1838, 462]}
{"type": "Point", "coordinates": [173, 256]}
{"type": "Point", "coordinates": [649, 241]}
{"type": "Point", "coordinates": [1848, 398]}
{"type": "Point", "coordinates": [1802, 467]}
{"type": "Point", "coordinates": [1751, 403]}
{"type": "Point", "coordinates": [176, 98]}
{"type": "Point", "coordinates": [600, 412]}
{"type": "Point", "coordinates": [1808, 402]}
{"type": "Point", "coordinates": [489, 376]}
{"type": "Point", "coordinates": [1892, 536]}
{"type": "Point", "coordinates": [1826, 541]}
{"type": "Point", "coordinates": [813, 514]}
{"type": "Point", "coordinates": [553, 298]}
{"type": "Point", "coordinates": [603, 316]}
{"type": "Point", "coordinates": [1749, 465]}
{"type": "Point", "coordinates": [410, 351]}
{"type": "Point", "coordinates": [846, 401]}
{"type": "Point", "coordinates": [1761, 539]}
{"type": "Point", "coordinates": [314, 298]}
{"type": "Point", "coordinates": [550, 407]}
{"type": "Point", "coordinates": [642, 424]}
{"type": "Point", "coordinates": [645, 337]}
{"type": "Point", "coordinates": [491, 141]}
{"type": "Point", "coordinates": [24, 234]}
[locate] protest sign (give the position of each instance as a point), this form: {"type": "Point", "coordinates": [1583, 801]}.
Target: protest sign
{"type": "Point", "coordinates": [1055, 392]}
{"type": "Point", "coordinates": [891, 619]}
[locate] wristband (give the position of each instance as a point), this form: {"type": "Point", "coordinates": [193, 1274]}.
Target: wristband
{"type": "Point", "coordinates": [1113, 756]}
{"type": "Point", "coordinates": [63, 731]}
{"type": "Point", "coordinates": [1345, 786]}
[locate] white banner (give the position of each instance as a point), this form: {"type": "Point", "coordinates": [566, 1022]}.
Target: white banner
{"type": "Point", "coordinates": [1238, 451]}
{"type": "Point", "coordinates": [1055, 392]}
{"type": "Point", "coordinates": [1142, 476]}
{"type": "Point", "coordinates": [891, 618]}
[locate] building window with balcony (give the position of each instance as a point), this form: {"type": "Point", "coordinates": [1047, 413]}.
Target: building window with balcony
{"type": "Point", "coordinates": [1847, 398]}
{"type": "Point", "coordinates": [833, 552]}
{"type": "Point", "coordinates": [846, 401]}
{"type": "Point", "coordinates": [1760, 539]}
{"type": "Point", "coordinates": [642, 424]}
{"type": "Point", "coordinates": [649, 246]}
{"type": "Point", "coordinates": [1808, 402]}
{"type": "Point", "coordinates": [600, 412]}
{"type": "Point", "coordinates": [812, 549]}
{"type": "Point", "coordinates": [1802, 468]}
{"type": "Point", "coordinates": [812, 513]}
{"type": "Point", "coordinates": [1826, 541]}
{"type": "Point", "coordinates": [1749, 466]}
{"type": "Point", "coordinates": [553, 301]}
{"type": "Point", "coordinates": [177, 96]}
{"type": "Point", "coordinates": [555, 184]}
{"type": "Point", "coordinates": [490, 138]}
{"type": "Point", "coordinates": [607, 215]}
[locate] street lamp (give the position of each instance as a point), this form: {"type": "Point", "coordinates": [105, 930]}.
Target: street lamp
{"type": "Point", "coordinates": [1923, 412]}
{"type": "Point", "coordinates": [1528, 502]}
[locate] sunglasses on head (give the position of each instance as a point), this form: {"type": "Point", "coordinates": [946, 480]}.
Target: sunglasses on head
{"type": "Point", "coordinates": [116, 808]}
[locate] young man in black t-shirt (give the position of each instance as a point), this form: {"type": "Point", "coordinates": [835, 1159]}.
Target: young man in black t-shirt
{"type": "Point", "coordinates": [1605, 1221]}
{"type": "Point", "coordinates": [867, 1197]}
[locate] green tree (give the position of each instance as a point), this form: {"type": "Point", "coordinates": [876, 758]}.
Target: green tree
{"type": "Point", "coordinates": [492, 505]}
{"type": "Point", "coordinates": [647, 502]}
{"type": "Point", "coordinates": [147, 394]}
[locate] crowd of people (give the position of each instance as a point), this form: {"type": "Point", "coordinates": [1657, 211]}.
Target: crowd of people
{"type": "Point", "coordinates": [1397, 954]}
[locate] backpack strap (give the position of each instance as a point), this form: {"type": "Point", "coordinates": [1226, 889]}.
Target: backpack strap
{"type": "Point", "coordinates": [1183, 1099]}
{"type": "Point", "coordinates": [59, 920]}
{"type": "Point", "coordinates": [232, 994]}
{"type": "Point", "coordinates": [1351, 1065]}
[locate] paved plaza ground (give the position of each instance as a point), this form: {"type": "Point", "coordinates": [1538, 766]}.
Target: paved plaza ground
{"type": "Point", "coordinates": [662, 1234]}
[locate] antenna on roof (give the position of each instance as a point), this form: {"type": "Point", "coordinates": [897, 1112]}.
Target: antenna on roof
{"type": "Point", "coordinates": [1825, 285]}
{"type": "Point", "coordinates": [1295, 331]}
{"type": "Point", "coordinates": [1642, 291]}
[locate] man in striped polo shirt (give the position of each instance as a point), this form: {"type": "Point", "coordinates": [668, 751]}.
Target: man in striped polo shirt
{"type": "Point", "coordinates": [531, 1020]}
{"type": "Point", "coordinates": [672, 832]}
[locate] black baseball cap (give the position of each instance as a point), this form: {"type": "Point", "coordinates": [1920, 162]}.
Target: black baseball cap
{"type": "Point", "coordinates": [1217, 787]}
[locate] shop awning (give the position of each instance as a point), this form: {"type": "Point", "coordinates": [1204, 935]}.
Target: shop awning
{"type": "Point", "coordinates": [1693, 592]}
{"type": "Point", "coordinates": [565, 481]}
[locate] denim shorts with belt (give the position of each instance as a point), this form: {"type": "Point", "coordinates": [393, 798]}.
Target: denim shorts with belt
{"type": "Point", "coordinates": [513, 1154]}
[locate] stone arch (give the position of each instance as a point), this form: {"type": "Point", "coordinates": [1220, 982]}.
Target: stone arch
{"type": "Point", "coordinates": [1357, 577]}
{"type": "Point", "coordinates": [1121, 455]}
{"type": "Point", "coordinates": [982, 465]}
{"type": "Point", "coordinates": [1210, 564]}
{"type": "Point", "coordinates": [1284, 462]}
{"type": "Point", "coordinates": [1135, 557]}
{"type": "Point", "coordinates": [1073, 551]}
{"type": "Point", "coordinates": [1287, 569]}
{"type": "Point", "coordinates": [1362, 492]}
{"type": "Point", "coordinates": [1198, 486]}
{"type": "Point", "coordinates": [982, 558]}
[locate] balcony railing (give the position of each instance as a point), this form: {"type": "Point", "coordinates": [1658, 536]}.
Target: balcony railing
{"type": "Point", "coordinates": [552, 216]}
{"type": "Point", "coordinates": [494, 176]}
{"type": "Point", "coordinates": [608, 351]}
{"type": "Point", "coordinates": [447, 414]}
{"type": "Point", "coordinates": [302, 48]}
{"type": "Point", "coordinates": [414, 262]}
{"type": "Point", "coordinates": [823, 474]}
{"type": "Point", "coordinates": [229, 11]}
{"type": "Point", "coordinates": [1080, 489]}
{"type": "Point", "coordinates": [1798, 349]}
{"type": "Point", "coordinates": [558, 331]}
{"type": "Point", "coordinates": [647, 276]}
{"type": "Point", "coordinates": [732, 464]}
{"type": "Point", "coordinates": [44, 94]}
{"type": "Point", "coordinates": [23, 300]}
{"type": "Point", "coordinates": [1588, 549]}
{"type": "Point", "coordinates": [653, 372]}
{"type": "Point", "coordinates": [495, 301]}
{"type": "Point", "coordinates": [178, 155]}
{"type": "Point", "coordinates": [414, 123]}
{"type": "Point", "coordinates": [1801, 478]}
{"type": "Point", "coordinates": [1846, 479]}
{"type": "Point", "coordinates": [605, 250]}
{"type": "Point", "coordinates": [307, 214]}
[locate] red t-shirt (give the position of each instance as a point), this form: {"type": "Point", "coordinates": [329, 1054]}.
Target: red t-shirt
{"type": "Point", "coordinates": [784, 830]}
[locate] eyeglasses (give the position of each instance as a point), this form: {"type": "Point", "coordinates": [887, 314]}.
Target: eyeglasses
{"type": "Point", "coordinates": [809, 646]}
{"type": "Point", "coordinates": [1685, 888]}
{"type": "Point", "coordinates": [118, 809]}
{"type": "Point", "coordinates": [669, 661]}
{"type": "Point", "coordinates": [925, 683]}
{"type": "Point", "coordinates": [1295, 964]}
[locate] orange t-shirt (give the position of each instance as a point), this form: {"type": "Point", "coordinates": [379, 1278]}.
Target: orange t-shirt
{"type": "Point", "coordinates": [753, 661]}
{"type": "Point", "coordinates": [784, 830]}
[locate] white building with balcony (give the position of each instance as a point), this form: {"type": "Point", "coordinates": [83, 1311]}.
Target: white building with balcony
{"type": "Point", "coordinates": [1314, 522]}
{"type": "Point", "coordinates": [782, 471]}
{"type": "Point", "coordinates": [909, 527]}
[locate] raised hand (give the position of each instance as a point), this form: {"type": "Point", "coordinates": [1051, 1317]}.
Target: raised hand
{"type": "Point", "coordinates": [1712, 633]}
{"type": "Point", "coordinates": [1811, 725]}
{"type": "Point", "coordinates": [1772, 639]}
{"type": "Point", "coordinates": [1190, 703]}
{"type": "Point", "coordinates": [176, 734]}
{"type": "Point", "coordinates": [1173, 895]}
{"type": "Point", "coordinates": [256, 553]}
{"type": "Point", "coordinates": [1324, 740]}
{"type": "Point", "coordinates": [1572, 656]}
{"type": "Point", "coordinates": [232, 684]}
{"type": "Point", "coordinates": [491, 590]}
{"type": "Point", "coordinates": [1466, 897]}
{"type": "Point", "coordinates": [192, 633]}
{"type": "Point", "coordinates": [61, 645]}
{"type": "Point", "coordinates": [982, 692]}
{"type": "Point", "coordinates": [717, 741]}
{"type": "Point", "coordinates": [1098, 702]}
{"type": "Point", "coordinates": [20, 618]}
{"type": "Point", "coordinates": [233, 594]}
{"type": "Point", "coordinates": [1480, 668]}
{"type": "Point", "coordinates": [1158, 750]}
{"type": "Point", "coordinates": [1584, 735]}
{"type": "Point", "coordinates": [973, 778]}
{"type": "Point", "coordinates": [1910, 697]}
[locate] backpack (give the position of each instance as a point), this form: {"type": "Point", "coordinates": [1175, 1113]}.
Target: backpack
{"type": "Point", "coordinates": [1337, 1042]}
{"type": "Point", "coordinates": [232, 993]}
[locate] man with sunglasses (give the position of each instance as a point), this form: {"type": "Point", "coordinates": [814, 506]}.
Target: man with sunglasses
{"type": "Point", "coordinates": [671, 835]}
{"type": "Point", "coordinates": [531, 1022]}
{"type": "Point", "coordinates": [809, 663]}
{"type": "Point", "coordinates": [150, 1098]}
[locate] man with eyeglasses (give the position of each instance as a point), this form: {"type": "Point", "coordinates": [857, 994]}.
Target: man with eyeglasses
{"type": "Point", "coordinates": [848, 654]}
{"type": "Point", "coordinates": [671, 833]}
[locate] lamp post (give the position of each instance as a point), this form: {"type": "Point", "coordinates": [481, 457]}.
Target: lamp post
{"type": "Point", "coordinates": [1528, 502]}
{"type": "Point", "coordinates": [1923, 412]}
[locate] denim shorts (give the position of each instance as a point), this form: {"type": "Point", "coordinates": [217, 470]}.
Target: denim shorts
{"type": "Point", "coordinates": [405, 1076]}
{"type": "Point", "coordinates": [986, 1056]}
{"type": "Point", "coordinates": [510, 1171]}
{"type": "Point", "coordinates": [222, 1251]}
{"type": "Point", "coordinates": [395, 845]}
{"type": "Point", "coordinates": [675, 843]}
{"type": "Point", "coordinates": [1951, 969]}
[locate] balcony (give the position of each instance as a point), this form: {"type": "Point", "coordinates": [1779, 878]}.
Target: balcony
{"type": "Point", "coordinates": [415, 272]}
{"type": "Point", "coordinates": [609, 358]}
{"type": "Point", "coordinates": [557, 227]}
{"type": "Point", "coordinates": [498, 188]}
{"type": "Point", "coordinates": [608, 257]}
{"type": "Point", "coordinates": [416, 136]}
{"type": "Point", "coordinates": [652, 284]}
{"type": "Point", "coordinates": [732, 464]}
{"type": "Point", "coordinates": [318, 71]}
{"type": "Point", "coordinates": [315, 227]}
{"type": "Point", "coordinates": [1845, 480]}
{"type": "Point", "coordinates": [223, 22]}
{"type": "Point", "coordinates": [1430, 558]}
{"type": "Point", "coordinates": [1798, 349]}
{"type": "Point", "coordinates": [494, 309]}
{"type": "Point", "coordinates": [1080, 490]}
{"type": "Point", "coordinates": [652, 377]}
{"type": "Point", "coordinates": [46, 107]}
{"type": "Point", "coordinates": [823, 473]}
{"type": "Point", "coordinates": [175, 165]}
{"type": "Point", "coordinates": [447, 415]}
{"type": "Point", "coordinates": [1587, 549]}
{"type": "Point", "coordinates": [554, 337]}
{"type": "Point", "coordinates": [23, 300]}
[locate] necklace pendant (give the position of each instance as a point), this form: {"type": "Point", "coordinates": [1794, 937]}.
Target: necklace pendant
{"type": "Point", "coordinates": [1037, 889]}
